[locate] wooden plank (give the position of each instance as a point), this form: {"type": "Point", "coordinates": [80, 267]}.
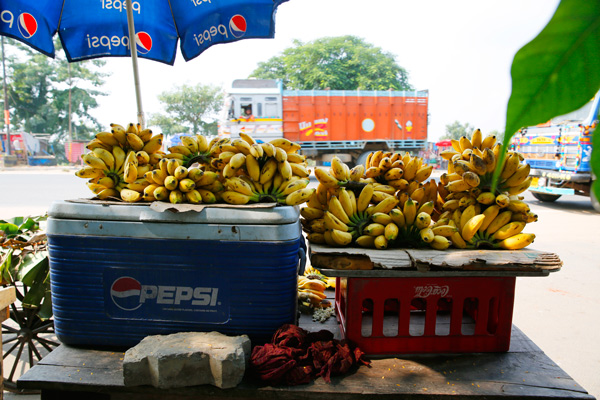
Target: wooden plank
{"type": "Point", "coordinates": [522, 372]}
{"type": "Point", "coordinates": [525, 261]}
{"type": "Point", "coordinates": [7, 296]}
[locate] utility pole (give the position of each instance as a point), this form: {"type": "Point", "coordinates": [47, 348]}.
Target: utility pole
{"type": "Point", "coordinates": [6, 112]}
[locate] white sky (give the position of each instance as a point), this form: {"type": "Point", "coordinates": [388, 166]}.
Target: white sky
{"type": "Point", "coordinates": [460, 50]}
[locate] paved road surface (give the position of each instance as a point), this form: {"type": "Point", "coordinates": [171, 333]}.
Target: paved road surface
{"type": "Point", "coordinates": [558, 312]}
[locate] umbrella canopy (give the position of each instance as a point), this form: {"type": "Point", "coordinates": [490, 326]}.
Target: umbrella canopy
{"type": "Point", "coordinates": [149, 29]}
{"type": "Point", "coordinates": [444, 143]}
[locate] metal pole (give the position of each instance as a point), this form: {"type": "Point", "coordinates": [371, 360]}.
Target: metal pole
{"type": "Point", "coordinates": [6, 112]}
{"type": "Point", "coordinates": [133, 51]}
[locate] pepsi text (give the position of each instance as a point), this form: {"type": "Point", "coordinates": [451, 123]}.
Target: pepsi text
{"type": "Point", "coordinates": [119, 5]}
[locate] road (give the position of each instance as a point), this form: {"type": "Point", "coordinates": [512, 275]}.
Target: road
{"type": "Point", "coordinates": [559, 312]}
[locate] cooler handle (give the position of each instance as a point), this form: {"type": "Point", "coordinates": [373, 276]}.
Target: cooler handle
{"type": "Point", "coordinates": [301, 261]}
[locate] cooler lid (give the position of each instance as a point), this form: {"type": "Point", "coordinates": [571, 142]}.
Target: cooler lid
{"type": "Point", "coordinates": [75, 210]}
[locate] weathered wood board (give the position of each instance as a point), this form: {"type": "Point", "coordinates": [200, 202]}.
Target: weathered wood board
{"type": "Point", "coordinates": [399, 261]}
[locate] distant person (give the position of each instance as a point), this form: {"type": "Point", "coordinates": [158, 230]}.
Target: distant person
{"type": "Point", "coordinates": [16, 145]}
{"type": "Point", "coordinates": [247, 115]}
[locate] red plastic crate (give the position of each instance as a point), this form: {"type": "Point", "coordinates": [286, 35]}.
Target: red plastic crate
{"type": "Point", "coordinates": [390, 316]}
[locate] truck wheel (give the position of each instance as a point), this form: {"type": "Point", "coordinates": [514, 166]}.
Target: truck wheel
{"type": "Point", "coordinates": [595, 202]}
{"type": "Point", "coordinates": [362, 158]}
{"type": "Point", "coordinates": [548, 198]}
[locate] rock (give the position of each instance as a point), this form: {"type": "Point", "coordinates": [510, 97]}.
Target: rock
{"type": "Point", "coordinates": [187, 359]}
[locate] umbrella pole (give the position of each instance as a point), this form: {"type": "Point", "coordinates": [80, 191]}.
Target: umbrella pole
{"type": "Point", "coordinates": [134, 60]}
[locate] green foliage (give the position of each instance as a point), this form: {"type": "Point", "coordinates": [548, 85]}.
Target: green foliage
{"type": "Point", "coordinates": [39, 92]}
{"type": "Point", "coordinates": [337, 63]}
{"type": "Point", "coordinates": [24, 258]}
{"type": "Point", "coordinates": [557, 72]}
{"type": "Point", "coordinates": [190, 109]}
{"type": "Point", "coordinates": [455, 130]}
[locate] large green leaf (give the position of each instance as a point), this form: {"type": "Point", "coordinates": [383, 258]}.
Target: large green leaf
{"type": "Point", "coordinates": [558, 71]}
{"type": "Point", "coordinates": [32, 265]}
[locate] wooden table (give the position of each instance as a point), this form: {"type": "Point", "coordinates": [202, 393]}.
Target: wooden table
{"type": "Point", "coordinates": [523, 372]}
{"type": "Point", "coordinates": [7, 297]}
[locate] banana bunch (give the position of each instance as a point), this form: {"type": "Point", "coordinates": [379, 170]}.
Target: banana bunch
{"type": "Point", "coordinates": [498, 225]}
{"type": "Point", "coordinates": [242, 190]}
{"type": "Point", "coordinates": [311, 292]}
{"type": "Point", "coordinates": [172, 182]}
{"type": "Point", "coordinates": [118, 158]}
{"type": "Point", "coordinates": [262, 172]}
{"type": "Point", "coordinates": [195, 149]}
{"type": "Point", "coordinates": [312, 273]}
{"type": "Point", "coordinates": [471, 165]}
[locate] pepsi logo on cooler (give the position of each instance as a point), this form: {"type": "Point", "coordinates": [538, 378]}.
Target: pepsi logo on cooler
{"type": "Point", "coordinates": [237, 26]}
{"type": "Point", "coordinates": [143, 42]}
{"type": "Point", "coordinates": [27, 25]}
{"type": "Point", "coordinates": [125, 293]}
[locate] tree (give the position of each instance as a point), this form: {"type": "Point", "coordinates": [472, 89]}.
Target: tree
{"type": "Point", "coordinates": [190, 109]}
{"type": "Point", "coordinates": [337, 63]}
{"type": "Point", "coordinates": [455, 130]}
{"type": "Point", "coordinates": [52, 95]}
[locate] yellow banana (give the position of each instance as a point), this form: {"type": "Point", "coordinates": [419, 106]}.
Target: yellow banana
{"type": "Point", "coordinates": [190, 143]}
{"type": "Point", "coordinates": [154, 144]}
{"type": "Point", "coordinates": [410, 170]}
{"type": "Point", "coordinates": [520, 188]}
{"type": "Point", "coordinates": [380, 242]}
{"type": "Point", "coordinates": [488, 142]}
{"type": "Point", "coordinates": [409, 211]}
{"type": "Point", "coordinates": [518, 176]}
{"type": "Point", "coordinates": [501, 219]}
{"type": "Point", "coordinates": [107, 138]}
{"type": "Point", "coordinates": [518, 206]}
{"type": "Point", "coordinates": [391, 231]}
{"type": "Point", "coordinates": [471, 178]}
{"type": "Point", "coordinates": [89, 173]}
{"type": "Point", "coordinates": [424, 173]}
{"type": "Point", "coordinates": [466, 215]}
{"type": "Point", "coordinates": [338, 169]}
{"type": "Point", "coordinates": [247, 138]}
{"type": "Point", "coordinates": [508, 230]}
{"type": "Point", "coordinates": [517, 242]}
{"type": "Point", "coordinates": [135, 142]}
{"type": "Point", "coordinates": [285, 144]}
{"type": "Point", "coordinates": [208, 197]}
{"type": "Point", "coordinates": [427, 235]}
{"type": "Point", "coordinates": [381, 218]}
{"type": "Point", "coordinates": [315, 237]}
{"type": "Point", "coordinates": [130, 196]}
{"type": "Point", "coordinates": [439, 243]}
{"type": "Point", "coordinates": [193, 197]}
{"type": "Point", "coordinates": [478, 164]}
{"type": "Point", "coordinates": [477, 138]}
{"type": "Point", "coordinates": [444, 230]}
{"type": "Point", "coordinates": [107, 193]}
{"type": "Point", "coordinates": [458, 186]}
{"type": "Point", "coordinates": [299, 196]}
{"type": "Point", "coordinates": [422, 220]}
{"type": "Point", "coordinates": [299, 170]}
{"type": "Point", "coordinates": [490, 214]}
{"type": "Point", "coordinates": [365, 241]}
{"type": "Point", "coordinates": [348, 201]}
{"type": "Point", "coordinates": [397, 217]}
{"type": "Point", "coordinates": [357, 172]}
{"type": "Point", "coordinates": [332, 222]}
{"type": "Point", "coordinates": [341, 238]}
{"type": "Point", "coordinates": [465, 143]}
{"type": "Point", "coordinates": [471, 227]}
{"type": "Point", "coordinates": [510, 166]}
{"type": "Point", "coordinates": [502, 200]}
{"type": "Point", "coordinates": [374, 229]}
{"type": "Point", "coordinates": [386, 205]}
{"type": "Point", "coordinates": [92, 161]}
{"type": "Point", "coordinates": [232, 197]}
{"type": "Point", "coordinates": [486, 198]}
{"type": "Point", "coordinates": [311, 213]}
{"type": "Point", "coordinates": [364, 198]}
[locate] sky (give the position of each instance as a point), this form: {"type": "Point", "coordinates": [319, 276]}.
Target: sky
{"type": "Point", "coordinates": [459, 50]}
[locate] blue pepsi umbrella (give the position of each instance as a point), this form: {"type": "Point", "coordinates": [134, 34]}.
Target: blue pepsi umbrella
{"type": "Point", "coordinates": [140, 28]}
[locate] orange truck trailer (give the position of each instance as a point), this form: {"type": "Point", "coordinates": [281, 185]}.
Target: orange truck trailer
{"type": "Point", "coordinates": [346, 123]}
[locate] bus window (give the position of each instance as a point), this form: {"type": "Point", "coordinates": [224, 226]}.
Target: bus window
{"type": "Point", "coordinates": [271, 107]}
{"type": "Point", "coordinates": [259, 110]}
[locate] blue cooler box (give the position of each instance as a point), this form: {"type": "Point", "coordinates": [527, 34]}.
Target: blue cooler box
{"type": "Point", "coordinates": [122, 272]}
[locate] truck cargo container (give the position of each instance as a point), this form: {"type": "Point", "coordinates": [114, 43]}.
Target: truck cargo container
{"type": "Point", "coordinates": [346, 123]}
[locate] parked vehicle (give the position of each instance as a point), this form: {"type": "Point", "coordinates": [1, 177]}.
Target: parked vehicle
{"type": "Point", "coordinates": [559, 153]}
{"type": "Point", "coordinates": [349, 124]}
